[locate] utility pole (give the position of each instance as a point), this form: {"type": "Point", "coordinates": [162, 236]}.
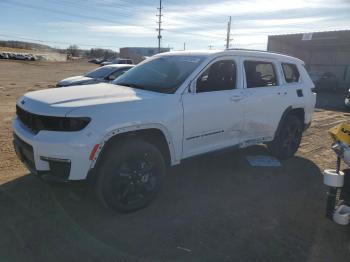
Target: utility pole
{"type": "Point", "coordinates": [184, 46]}
{"type": "Point", "coordinates": [228, 39]}
{"type": "Point", "coordinates": [210, 46]}
{"type": "Point", "coordinates": [159, 29]}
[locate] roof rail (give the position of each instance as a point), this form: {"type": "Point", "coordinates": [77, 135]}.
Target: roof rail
{"type": "Point", "coordinates": [256, 50]}
{"type": "Point", "coordinates": [245, 49]}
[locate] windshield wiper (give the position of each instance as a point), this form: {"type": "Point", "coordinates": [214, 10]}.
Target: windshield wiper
{"type": "Point", "coordinates": [149, 88]}
{"type": "Point", "coordinates": [132, 85]}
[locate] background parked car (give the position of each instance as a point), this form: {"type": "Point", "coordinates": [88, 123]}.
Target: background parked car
{"type": "Point", "coordinates": [347, 100]}
{"type": "Point", "coordinates": [315, 76]}
{"type": "Point", "coordinates": [97, 60]}
{"type": "Point", "coordinates": [327, 82]}
{"type": "Point", "coordinates": [118, 61]}
{"type": "Point", "coordinates": [18, 56]}
{"type": "Point", "coordinates": [3, 56]}
{"type": "Point", "coordinates": [102, 74]}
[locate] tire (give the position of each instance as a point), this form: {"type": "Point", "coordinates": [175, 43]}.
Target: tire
{"type": "Point", "coordinates": [287, 141]}
{"type": "Point", "coordinates": [130, 175]}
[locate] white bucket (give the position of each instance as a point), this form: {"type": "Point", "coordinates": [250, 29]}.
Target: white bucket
{"type": "Point", "coordinates": [332, 178]}
{"type": "Point", "coordinates": [341, 216]}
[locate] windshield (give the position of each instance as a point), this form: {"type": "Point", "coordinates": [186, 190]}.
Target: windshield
{"type": "Point", "coordinates": [162, 74]}
{"type": "Point", "coordinates": [100, 72]}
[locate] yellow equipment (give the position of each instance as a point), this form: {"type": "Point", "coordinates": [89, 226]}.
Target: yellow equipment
{"type": "Point", "coordinates": [338, 208]}
{"type": "Point", "coordinates": [341, 145]}
{"type": "Point", "coordinates": [341, 133]}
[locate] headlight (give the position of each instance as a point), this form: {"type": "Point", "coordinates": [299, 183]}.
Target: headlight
{"type": "Point", "coordinates": [75, 123]}
{"type": "Point", "coordinates": [65, 124]}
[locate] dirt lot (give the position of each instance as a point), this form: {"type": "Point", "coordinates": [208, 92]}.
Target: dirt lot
{"type": "Point", "coordinates": [213, 208]}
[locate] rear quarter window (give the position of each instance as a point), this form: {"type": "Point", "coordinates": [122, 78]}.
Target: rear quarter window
{"type": "Point", "coordinates": [291, 73]}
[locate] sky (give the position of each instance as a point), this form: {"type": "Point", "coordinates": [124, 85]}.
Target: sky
{"type": "Point", "coordinates": [198, 23]}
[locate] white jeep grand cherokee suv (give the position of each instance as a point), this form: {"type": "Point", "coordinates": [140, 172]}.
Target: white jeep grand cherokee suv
{"type": "Point", "coordinates": [170, 107]}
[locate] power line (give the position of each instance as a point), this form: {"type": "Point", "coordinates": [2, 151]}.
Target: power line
{"type": "Point", "coordinates": [159, 29]}
{"type": "Point", "coordinates": [120, 5]}
{"type": "Point", "coordinates": [75, 15]}
{"type": "Point", "coordinates": [128, 11]}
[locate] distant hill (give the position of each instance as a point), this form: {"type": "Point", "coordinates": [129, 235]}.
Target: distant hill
{"type": "Point", "coordinates": [74, 50]}
{"type": "Point", "coordinates": [26, 45]}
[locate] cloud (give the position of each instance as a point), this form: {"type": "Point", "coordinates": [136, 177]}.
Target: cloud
{"type": "Point", "coordinates": [203, 22]}
{"type": "Point", "coordinates": [127, 30]}
{"type": "Point", "coordinates": [254, 20]}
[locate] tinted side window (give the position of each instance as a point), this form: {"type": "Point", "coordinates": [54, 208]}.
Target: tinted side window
{"type": "Point", "coordinates": [219, 76]}
{"type": "Point", "coordinates": [116, 74]}
{"type": "Point", "coordinates": [259, 74]}
{"type": "Point", "coordinates": [291, 73]}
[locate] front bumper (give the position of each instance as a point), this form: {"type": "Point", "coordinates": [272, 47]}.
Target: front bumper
{"type": "Point", "coordinates": [59, 168]}
{"type": "Point", "coordinates": [55, 156]}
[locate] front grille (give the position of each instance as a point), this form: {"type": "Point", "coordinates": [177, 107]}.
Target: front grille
{"type": "Point", "coordinates": [30, 120]}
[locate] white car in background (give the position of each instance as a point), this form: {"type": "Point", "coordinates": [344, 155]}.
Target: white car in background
{"type": "Point", "coordinates": [118, 61]}
{"type": "Point", "coordinates": [103, 74]}
{"type": "Point", "coordinates": [168, 108]}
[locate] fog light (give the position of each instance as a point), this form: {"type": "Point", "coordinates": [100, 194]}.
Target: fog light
{"type": "Point", "coordinates": [59, 168]}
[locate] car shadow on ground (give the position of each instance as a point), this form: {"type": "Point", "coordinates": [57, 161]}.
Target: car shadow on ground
{"type": "Point", "coordinates": [212, 208]}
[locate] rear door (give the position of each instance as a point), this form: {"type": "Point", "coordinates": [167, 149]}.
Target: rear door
{"type": "Point", "coordinates": [263, 104]}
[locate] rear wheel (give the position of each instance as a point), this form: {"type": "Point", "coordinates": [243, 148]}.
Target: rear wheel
{"type": "Point", "coordinates": [130, 175]}
{"type": "Point", "coordinates": [287, 141]}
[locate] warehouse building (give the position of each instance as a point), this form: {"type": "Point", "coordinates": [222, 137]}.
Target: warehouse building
{"type": "Point", "coordinates": [140, 53]}
{"type": "Point", "coordinates": [322, 52]}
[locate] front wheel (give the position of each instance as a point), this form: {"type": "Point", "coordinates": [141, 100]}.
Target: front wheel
{"type": "Point", "coordinates": [287, 141]}
{"type": "Point", "coordinates": [130, 175]}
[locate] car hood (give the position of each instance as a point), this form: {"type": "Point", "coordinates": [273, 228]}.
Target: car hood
{"type": "Point", "coordinates": [74, 80]}
{"type": "Point", "coordinates": [59, 101]}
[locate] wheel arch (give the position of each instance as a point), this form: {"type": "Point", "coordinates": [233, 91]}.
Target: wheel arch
{"type": "Point", "coordinates": [298, 112]}
{"type": "Point", "coordinates": [156, 134]}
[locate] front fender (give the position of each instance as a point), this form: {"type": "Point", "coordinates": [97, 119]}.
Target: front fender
{"type": "Point", "coordinates": [136, 127]}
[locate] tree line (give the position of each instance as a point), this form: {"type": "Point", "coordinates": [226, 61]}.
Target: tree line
{"type": "Point", "coordinates": [72, 50]}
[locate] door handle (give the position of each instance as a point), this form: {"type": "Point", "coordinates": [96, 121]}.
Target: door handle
{"type": "Point", "coordinates": [236, 98]}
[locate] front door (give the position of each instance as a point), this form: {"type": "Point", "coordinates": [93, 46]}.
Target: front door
{"type": "Point", "coordinates": [212, 110]}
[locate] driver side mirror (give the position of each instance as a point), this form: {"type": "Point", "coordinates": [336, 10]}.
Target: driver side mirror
{"type": "Point", "coordinates": [111, 77]}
